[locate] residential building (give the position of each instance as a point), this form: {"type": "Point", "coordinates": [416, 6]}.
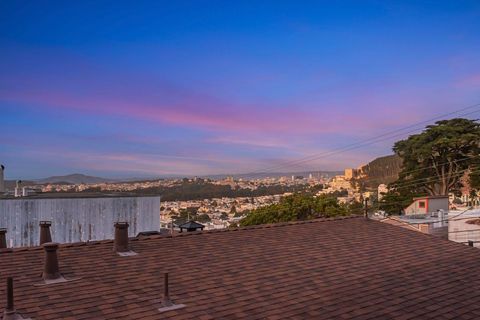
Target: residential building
{"type": "Point", "coordinates": [424, 205]}
{"type": "Point", "coordinates": [381, 190]}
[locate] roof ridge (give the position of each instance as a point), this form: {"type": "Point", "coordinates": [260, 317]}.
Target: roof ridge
{"type": "Point", "coordinates": [185, 234]}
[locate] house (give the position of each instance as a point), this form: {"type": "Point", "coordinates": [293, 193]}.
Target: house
{"type": "Point", "coordinates": [344, 268]}
{"type": "Point", "coordinates": [429, 204]}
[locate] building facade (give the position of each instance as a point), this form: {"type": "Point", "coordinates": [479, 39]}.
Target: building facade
{"type": "Point", "coordinates": [76, 219]}
{"type": "Point", "coordinates": [424, 205]}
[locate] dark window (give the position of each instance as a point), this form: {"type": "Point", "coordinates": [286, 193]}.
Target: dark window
{"type": "Point", "coordinates": [421, 204]}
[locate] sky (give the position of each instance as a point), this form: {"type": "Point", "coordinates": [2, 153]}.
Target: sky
{"type": "Point", "coordinates": [156, 88]}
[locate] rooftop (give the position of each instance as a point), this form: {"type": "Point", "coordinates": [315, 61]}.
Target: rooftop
{"type": "Point", "coordinates": [347, 268]}
{"type": "Point", "coordinates": [78, 195]}
{"type": "Point", "coordinates": [430, 197]}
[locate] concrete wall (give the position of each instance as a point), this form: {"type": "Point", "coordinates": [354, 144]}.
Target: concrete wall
{"type": "Point", "coordinates": [414, 208]}
{"type": "Point", "coordinates": [438, 204]}
{"type": "Point", "coordinates": [77, 219]}
{"type": "Point", "coordinates": [431, 205]}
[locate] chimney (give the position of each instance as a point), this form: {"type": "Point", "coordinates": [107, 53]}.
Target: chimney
{"type": "Point", "coordinates": [3, 238]}
{"type": "Point", "coordinates": [2, 179]}
{"type": "Point", "coordinates": [50, 268]}
{"type": "Point", "coordinates": [121, 237]}
{"type": "Point", "coordinates": [45, 235]}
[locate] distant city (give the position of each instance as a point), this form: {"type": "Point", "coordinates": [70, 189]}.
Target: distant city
{"type": "Point", "coordinates": [216, 201]}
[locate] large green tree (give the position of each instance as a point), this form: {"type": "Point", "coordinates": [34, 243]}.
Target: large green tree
{"type": "Point", "coordinates": [300, 206]}
{"type": "Point", "coordinates": [435, 159]}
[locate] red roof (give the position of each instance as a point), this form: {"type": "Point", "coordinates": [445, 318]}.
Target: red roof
{"type": "Point", "coordinates": [430, 197]}
{"type": "Point", "coordinates": [323, 269]}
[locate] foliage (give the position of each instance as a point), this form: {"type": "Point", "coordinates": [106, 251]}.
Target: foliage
{"type": "Point", "coordinates": [202, 218]}
{"type": "Point", "coordinates": [356, 208]}
{"type": "Point", "coordinates": [184, 215]}
{"type": "Point", "coordinates": [203, 189]}
{"type": "Point", "coordinates": [316, 188]}
{"type": "Point", "coordinates": [474, 180]}
{"type": "Point", "coordinates": [393, 202]}
{"type": "Point", "coordinates": [224, 216]}
{"type": "Point", "coordinates": [299, 206]}
{"type": "Point", "coordinates": [239, 214]}
{"type": "Point", "coordinates": [435, 160]}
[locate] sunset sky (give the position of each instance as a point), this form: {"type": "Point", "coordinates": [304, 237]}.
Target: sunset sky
{"type": "Point", "coordinates": [153, 88]}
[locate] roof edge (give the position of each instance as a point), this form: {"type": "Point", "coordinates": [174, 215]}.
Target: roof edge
{"type": "Point", "coordinates": [186, 234]}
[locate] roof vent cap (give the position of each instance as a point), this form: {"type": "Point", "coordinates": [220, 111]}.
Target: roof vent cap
{"type": "Point", "coordinates": [120, 243]}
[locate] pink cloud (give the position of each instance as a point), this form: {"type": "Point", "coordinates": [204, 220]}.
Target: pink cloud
{"type": "Point", "coordinates": [153, 164]}
{"type": "Point", "coordinates": [470, 81]}
{"type": "Point", "coordinates": [87, 88]}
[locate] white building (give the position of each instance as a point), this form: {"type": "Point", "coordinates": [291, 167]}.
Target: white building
{"type": "Point", "coordinates": [76, 218]}
{"type": "Point", "coordinates": [424, 205]}
{"type": "Point", "coordinates": [382, 189]}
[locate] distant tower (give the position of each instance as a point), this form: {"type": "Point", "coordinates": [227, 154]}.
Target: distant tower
{"type": "Point", "coordinates": [293, 178]}
{"type": "Point", "coordinates": [310, 176]}
{"type": "Point", "coordinates": [2, 179]}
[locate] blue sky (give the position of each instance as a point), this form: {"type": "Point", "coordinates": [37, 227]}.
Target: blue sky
{"type": "Point", "coordinates": [149, 88]}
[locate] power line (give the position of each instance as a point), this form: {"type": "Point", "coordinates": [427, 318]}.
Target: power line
{"type": "Point", "coordinates": [416, 170]}
{"type": "Point", "coordinates": [362, 143]}
{"type": "Point", "coordinates": [429, 180]}
{"type": "Point", "coordinates": [447, 219]}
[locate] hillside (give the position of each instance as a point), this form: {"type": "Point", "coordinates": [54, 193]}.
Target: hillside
{"type": "Point", "coordinates": [381, 170]}
{"type": "Point", "coordinates": [75, 178]}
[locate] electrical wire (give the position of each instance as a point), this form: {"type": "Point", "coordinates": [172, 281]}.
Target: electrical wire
{"type": "Point", "coordinates": [361, 143]}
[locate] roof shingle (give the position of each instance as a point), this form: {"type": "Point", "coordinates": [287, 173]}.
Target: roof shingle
{"type": "Point", "coordinates": [323, 269]}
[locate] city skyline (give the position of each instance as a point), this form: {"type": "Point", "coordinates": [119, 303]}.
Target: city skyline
{"type": "Point", "coordinates": [116, 90]}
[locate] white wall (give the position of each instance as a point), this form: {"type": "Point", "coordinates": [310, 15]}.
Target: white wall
{"type": "Point", "coordinates": [438, 204]}
{"type": "Point", "coordinates": [77, 219]}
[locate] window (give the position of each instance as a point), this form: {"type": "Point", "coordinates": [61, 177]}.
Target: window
{"type": "Point", "coordinates": [421, 204]}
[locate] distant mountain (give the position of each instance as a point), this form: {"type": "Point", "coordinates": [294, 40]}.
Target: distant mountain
{"type": "Point", "coordinates": [381, 170]}
{"type": "Point", "coordinates": [75, 178]}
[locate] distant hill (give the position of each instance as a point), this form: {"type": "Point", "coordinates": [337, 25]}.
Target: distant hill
{"type": "Point", "coordinates": [75, 178]}
{"type": "Point", "coordinates": [381, 170]}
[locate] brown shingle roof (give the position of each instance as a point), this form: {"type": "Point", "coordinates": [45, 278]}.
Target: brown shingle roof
{"type": "Point", "coordinates": [321, 269]}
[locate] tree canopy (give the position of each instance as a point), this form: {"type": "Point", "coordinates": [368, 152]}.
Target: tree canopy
{"type": "Point", "coordinates": [435, 160]}
{"type": "Point", "coordinates": [299, 206]}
